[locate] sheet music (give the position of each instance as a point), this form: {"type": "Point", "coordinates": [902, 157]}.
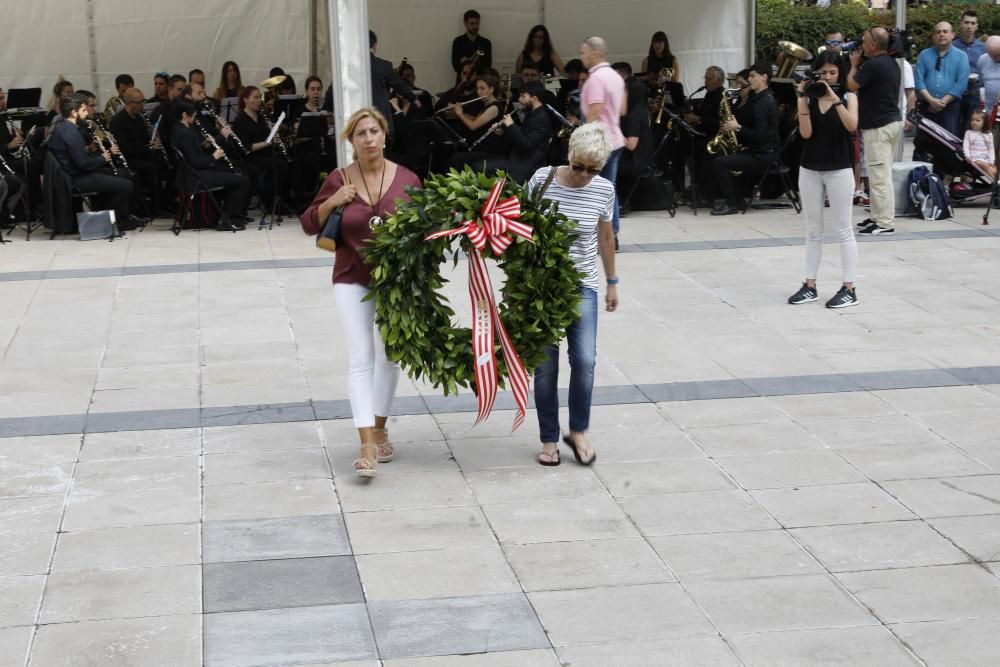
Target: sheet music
{"type": "Point", "coordinates": [156, 128]}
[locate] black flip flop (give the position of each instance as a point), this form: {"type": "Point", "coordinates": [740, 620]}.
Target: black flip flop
{"type": "Point", "coordinates": [550, 463]}
{"type": "Point", "coordinates": [572, 445]}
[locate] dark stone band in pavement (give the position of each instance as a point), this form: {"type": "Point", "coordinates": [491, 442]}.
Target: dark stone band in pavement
{"type": "Point", "coordinates": [307, 262]}
{"type": "Point", "coordinates": [145, 420]}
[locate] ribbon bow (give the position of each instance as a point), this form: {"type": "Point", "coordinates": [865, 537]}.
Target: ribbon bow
{"type": "Point", "coordinates": [497, 219]}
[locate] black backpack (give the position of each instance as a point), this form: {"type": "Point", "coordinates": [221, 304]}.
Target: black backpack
{"type": "Point", "coordinates": [929, 197]}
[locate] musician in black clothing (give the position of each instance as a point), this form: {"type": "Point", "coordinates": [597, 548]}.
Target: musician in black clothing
{"type": "Point", "coordinates": [28, 170]}
{"type": "Point", "coordinates": [528, 141]}
{"type": "Point", "coordinates": [210, 170]}
{"type": "Point", "coordinates": [384, 80]}
{"type": "Point", "coordinates": [636, 128]}
{"type": "Point", "coordinates": [465, 46]}
{"type": "Point", "coordinates": [160, 86]}
{"type": "Point", "coordinates": [145, 159]}
{"type": "Point", "coordinates": [88, 171]}
{"type": "Point", "coordinates": [463, 91]}
{"type": "Point", "coordinates": [704, 117]}
{"type": "Point", "coordinates": [268, 172]}
{"type": "Point", "coordinates": [480, 128]}
{"type": "Point", "coordinates": [760, 138]}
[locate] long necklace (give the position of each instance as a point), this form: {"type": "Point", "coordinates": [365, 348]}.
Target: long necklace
{"type": "Point", "coordinates": [376, 219]}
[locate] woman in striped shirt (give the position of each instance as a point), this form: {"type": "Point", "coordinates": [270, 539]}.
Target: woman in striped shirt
{"type": "Point", "coordinates": [587, 199]}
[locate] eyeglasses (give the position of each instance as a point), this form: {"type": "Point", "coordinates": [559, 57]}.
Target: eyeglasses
{"type": "Point", "coordinates": [579, 168]}
{"type": "Point", "coordinates": [833, 42]}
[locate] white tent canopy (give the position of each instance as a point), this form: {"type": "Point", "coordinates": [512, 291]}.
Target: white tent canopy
{"type": "Point", "coordinates": [89, 42]}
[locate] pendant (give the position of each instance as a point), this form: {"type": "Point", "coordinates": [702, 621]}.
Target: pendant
{"type": "Point", "coordinates": [374, 221]}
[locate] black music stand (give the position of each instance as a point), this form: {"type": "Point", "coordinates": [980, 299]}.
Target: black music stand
{"type": "Point", "coordinates": [678, 123]}
{"type": "Point", "coordinates": [275, 217]}
{"type": "Point", "coordinates": [312, 126]}
{"type": "Point", "coordinates": [229, 108]}
{"type": "Point", "coordinates": [23, 97]}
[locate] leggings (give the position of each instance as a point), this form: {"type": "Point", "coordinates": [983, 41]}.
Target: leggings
{"type": "Point", "coordinates": [840, 189]}
{"type": "Point", "coordinates": [372, 378]}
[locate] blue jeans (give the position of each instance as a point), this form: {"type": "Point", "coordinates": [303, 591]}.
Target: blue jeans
{"type": "Point", "coordinates": [582, 339]}
{"type": "Point", "coordinates": [610, 172]}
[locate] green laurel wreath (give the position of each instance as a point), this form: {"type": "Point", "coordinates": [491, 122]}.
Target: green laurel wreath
{"type": "Point", "coordinates": [539, 299]}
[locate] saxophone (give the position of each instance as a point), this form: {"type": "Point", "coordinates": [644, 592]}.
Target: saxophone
{"type": "Point", "coordinates": [724, 143]}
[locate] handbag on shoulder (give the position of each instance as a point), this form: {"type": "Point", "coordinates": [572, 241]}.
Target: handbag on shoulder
{"type": "Point", "coordinates": [329, 238]}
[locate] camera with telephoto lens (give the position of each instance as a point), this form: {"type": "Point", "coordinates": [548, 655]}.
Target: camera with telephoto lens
{"type": "Point", "coordinates": [901, 44]}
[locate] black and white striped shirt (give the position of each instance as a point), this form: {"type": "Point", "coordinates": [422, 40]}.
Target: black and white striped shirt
{"type": "Point", "coordinates": [586, 206]}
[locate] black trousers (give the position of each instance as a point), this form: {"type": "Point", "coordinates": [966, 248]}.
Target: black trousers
{"type": "Point", "coordinates": [148, 173]}
{"type": "Point", "coordinates": [745, 162]}
{"type": "Point", "coordinates": [237, 189]}
{"type": "Point", "coordinates": [268, 175]}
{"type": "Point", "coordinates": [117, 189]}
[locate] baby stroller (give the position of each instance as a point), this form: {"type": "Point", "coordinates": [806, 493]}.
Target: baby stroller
{"type": "Point", "coordinates": [946, 153]}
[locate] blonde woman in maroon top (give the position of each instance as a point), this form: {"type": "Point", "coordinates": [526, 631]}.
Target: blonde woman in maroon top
{"type": "Point", "coordinates": [375, 184]}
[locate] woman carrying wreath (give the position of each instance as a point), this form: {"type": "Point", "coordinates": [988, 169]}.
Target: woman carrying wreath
{"type": "Point", "coordinates": [588, 200]}
{"type": "Point", "coordinates": [374, 185]}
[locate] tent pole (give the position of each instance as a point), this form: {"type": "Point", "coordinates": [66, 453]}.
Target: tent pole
{"type": "Point", "coordinates": [752, 33]}
{"type": "Point", "coordinates": [92, 46]}
{"type": "Point", "coordinates": [350, 64]}
{"type": "Point", "coordinates": [901, 24]}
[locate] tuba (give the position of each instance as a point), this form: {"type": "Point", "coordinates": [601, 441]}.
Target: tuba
{"type": "Point", "coordinates": [724, 143]}
{"type": "Point", "coordinates": [793, 55]}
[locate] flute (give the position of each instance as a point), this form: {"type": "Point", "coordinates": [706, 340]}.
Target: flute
{"type": "Point", "coordinates": [461, 104]}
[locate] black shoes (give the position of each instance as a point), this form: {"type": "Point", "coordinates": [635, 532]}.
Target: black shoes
{"type": "Point", "coordinates": [869, 226]}
{"type": "Point", "coordinates": [726, 210]}
{"type": "Point", "coordinates": [844, 298]}
{"type": "Point", "coordinates": [226, 225]}
{"type": "Point", "coordinates": [805, 294]}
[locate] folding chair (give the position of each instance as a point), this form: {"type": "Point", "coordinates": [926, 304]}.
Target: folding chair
{"type": "Point", "coordinates": [777, 168]}
{"type": "Point", "coordinates": [189, 185]}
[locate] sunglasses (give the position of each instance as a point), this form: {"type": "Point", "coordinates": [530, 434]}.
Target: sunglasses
{"type": "Point", "coordinates": [834, 42]}
{"type": "Point", "coordinates": [579, 168]}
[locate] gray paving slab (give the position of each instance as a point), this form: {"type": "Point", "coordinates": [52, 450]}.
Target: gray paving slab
{"type": "Point", "coordinates": [702, 651]}
{"type": "Point", "coordinates": [160, 641]}
{"type": "Point", "coordinates": [734, 555]}
{"type": "Point", "coordinates": [19, 603]}
{"type": "Point", "coordinates": [111, 509]}
{"type": "Point", "coordinates": [128, 547]}
{"type": "Point", "coordinates": [619, 614]}
{"type": "Point", "coordinates": [26, 553]}
{"type": "Point", "coordinates": [442, 573]}
{"type": "Point", "coordinates": [948, 592]}
{"type": "Point", "coordinates": [272, 584]}
{"type": "Point", "coordinates": [35, 514]}
{"type": "Point", "coordinates": [696, 391]}
{"type": "Point", "coordinates": [906, 379]}
{"type": "Point", "coordinates": [830, 505]}
{"type": "Point", "coordinates": [93, 595]}
{"type": "Point", "coordinates": [267, 539]}
{"type": "Point", "coordinates": [696, 512]}
{"type": "Point", "coordinates": [299, 636]}
{"type": "Point", "coordinates": [825, 646]}
{"type": "Point", "coordinates": [778, 603]}
{"type": "Point", "coordinates": [142, 420]}
{"type": "Point", "coordinates": [808, 384]}
{"type": "Point", "coordinates": [14, 644]}
{"type": "Point", "coordinates": [257, 414]}
{"type": "Point", "coordinates": [969, 641]}
{"type": "Point", "coordinates": [474, 624]}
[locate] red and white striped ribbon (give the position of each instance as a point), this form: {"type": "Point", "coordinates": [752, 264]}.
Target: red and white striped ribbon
{"type": "Point", "coordinates": [497, 218]}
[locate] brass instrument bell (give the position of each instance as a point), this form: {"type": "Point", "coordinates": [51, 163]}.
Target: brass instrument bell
{"type": "Point", "coordinates": [793, 55]}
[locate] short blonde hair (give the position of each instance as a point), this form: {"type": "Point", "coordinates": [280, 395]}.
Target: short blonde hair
{"type": "Point", "coordinates": [590, 142]}
{"type": "Point", "coordinates": [352, 123]}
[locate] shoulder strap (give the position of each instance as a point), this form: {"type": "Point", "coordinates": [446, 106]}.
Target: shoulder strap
{"type": "Point", "coordinates": [344, 176]}
{"type": "Point", "coordinates": [548, 181]}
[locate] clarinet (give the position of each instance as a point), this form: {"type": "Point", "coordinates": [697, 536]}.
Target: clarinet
{"type": "Point", "coordinates": [113, 142]}
{"type": "Point", "coordinates": [89, 125]}
{"type": "Point", "coordinates": [211, 140]}
{"type": "Point", "coordinates": [5, 168]}
{"type": "Point", "coordinates": [277, 139]}
{"type": "Point", "coordinates": [515, 108]}
{"type": "Point", "coordinates": [150, 130]}
{"type": "Point", "coordinates": [210, 112]}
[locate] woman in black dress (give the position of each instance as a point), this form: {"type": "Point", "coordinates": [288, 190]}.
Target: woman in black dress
{"type": "Point", "coordinates": [538, 49]}
{"type": "Point", "coordinates": [268, 171]}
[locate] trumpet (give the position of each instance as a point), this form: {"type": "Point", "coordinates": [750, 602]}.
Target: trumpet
{"type": "Point", "coordinates": [211, 140]}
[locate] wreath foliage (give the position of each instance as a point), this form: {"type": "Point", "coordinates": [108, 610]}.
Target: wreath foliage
{"type": "Point", "coordinates": [539, 299]}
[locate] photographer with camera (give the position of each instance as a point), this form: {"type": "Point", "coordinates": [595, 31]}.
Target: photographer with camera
{"type": "Point", "coordinates": [874, 76]}
{"type": "Point", "coordinates": [828, 116]}
{"type": "Point", "coordinates": [941, 78]}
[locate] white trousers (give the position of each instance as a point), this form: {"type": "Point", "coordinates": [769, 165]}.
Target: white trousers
{"type": "Point", "coordinates": [372, 378]}
{"type": "Point", "coordinates": [839, 187]}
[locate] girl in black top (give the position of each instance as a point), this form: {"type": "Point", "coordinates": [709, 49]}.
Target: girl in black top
{"type": "Point", "coordinates": [827, 118]}
{"type": "Point", "coordinates": [659, 58]}
{"type": "Point", "coordinates": [538, 49]}
{"type": "Point", "coordinates": [268, 172]}
{"type": "Point", "coordinates": [492, 145]}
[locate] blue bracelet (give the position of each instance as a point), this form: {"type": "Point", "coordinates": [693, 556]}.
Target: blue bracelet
{"type": "Point", "coordinates": [613, 281]}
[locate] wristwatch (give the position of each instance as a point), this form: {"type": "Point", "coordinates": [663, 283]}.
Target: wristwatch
{"type": "Point", "coordinates": [613, 281]}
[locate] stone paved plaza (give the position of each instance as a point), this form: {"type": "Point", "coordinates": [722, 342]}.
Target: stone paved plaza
{"type": "Point", "coordinates": [775, 484]}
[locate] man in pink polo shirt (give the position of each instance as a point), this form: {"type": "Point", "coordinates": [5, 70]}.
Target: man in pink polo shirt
{"type": "Point", "coordinates": [602, 100]}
